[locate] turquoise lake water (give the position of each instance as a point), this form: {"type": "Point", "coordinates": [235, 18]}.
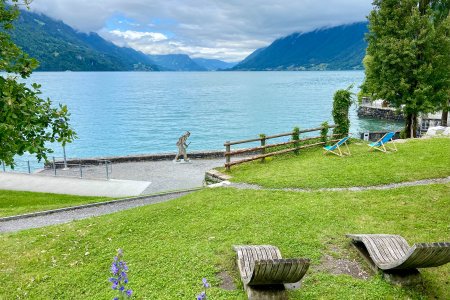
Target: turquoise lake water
{"type": "Point", "coordinates": [120, 113]}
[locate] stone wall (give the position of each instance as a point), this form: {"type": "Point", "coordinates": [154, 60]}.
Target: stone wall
{"type": "Point", "coordinates": [380, 113]}
{"type": "Point", "coordinates": [141, 157]}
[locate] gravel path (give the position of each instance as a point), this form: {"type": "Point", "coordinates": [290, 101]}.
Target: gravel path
{"type": "Point", "coordinates": [84, 212]}
{"type": "Point", "coordinates": [246, 186]}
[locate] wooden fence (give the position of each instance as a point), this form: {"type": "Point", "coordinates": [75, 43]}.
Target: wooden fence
{"type": "Point", "coordinates": [262, 149]}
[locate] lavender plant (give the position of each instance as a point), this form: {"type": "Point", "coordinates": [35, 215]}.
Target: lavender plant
{"type": "Point", "coordinates": [119, 270]}
{"type": "Point", "coordinates": [202, 295]}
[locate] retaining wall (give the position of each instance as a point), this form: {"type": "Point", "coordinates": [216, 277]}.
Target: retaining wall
{"type": "Point", "coordinates": [380, 113]}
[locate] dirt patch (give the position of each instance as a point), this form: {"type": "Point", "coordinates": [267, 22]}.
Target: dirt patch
{"type": "Point", "coordinates": [338, 266]}
{"type": "Point", "coordinates": [337, 261]}
{"type": "Point", "coordinates": [227, 281]}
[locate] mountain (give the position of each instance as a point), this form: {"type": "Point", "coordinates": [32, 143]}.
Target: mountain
{"type": "Point", "coordinates": [176, 62]}
{"type": "Point", "coordinates": [213, 64]}
{"type": "Point", "coordinates": [337, 48]}
{"type": "Point", "coordinates": [59, 47]}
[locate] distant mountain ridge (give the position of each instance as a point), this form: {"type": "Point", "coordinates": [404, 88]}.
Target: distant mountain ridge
{"type": "Point", "coordinates": [176, 62]}
{"type": "Point", "coordinates": [213, 64]}
{"type": "Point", "coordinates": [337, 48]}
{"type": "Point", "coordinates": [59, 47]}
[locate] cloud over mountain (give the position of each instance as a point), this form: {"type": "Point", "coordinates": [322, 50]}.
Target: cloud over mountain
{"type": "Point", "coordinates": [227, 30]}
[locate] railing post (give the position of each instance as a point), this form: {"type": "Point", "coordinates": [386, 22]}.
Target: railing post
{"type": "Point", "coordinates": [81, 170]}
{"type": "Point", "coordinates": [295, 138]}
{"type": "Point", "coordinates": [29, 169]}
{"type": "Point", "coordinates": [3, 166]}
{"type": "Point", "coordinates": [263, 143]}
{"type": "Point", "coordinates": [227, 155]}
{"type": "Point", "coordinates": [54, 166]}
{"type": "Point", "coordinates": [107, 171]}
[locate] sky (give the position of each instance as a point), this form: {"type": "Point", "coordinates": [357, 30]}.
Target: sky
{"type": "Point", "coordinates": [218, 29]}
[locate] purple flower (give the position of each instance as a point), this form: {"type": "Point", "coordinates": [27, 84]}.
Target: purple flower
{"type": "Point", "coordinates": [114, 269]}
{"type": "Point", "coordinates": [120, 279]}
{"type": "Point", "coordinates": [205, 283]}
{"type": "Point", "coordinates": [201, 296]}
{"type": "Point", "coordinates": [116, 298]}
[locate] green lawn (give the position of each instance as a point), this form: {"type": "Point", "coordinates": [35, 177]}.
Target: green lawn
{"type": "Point", "coordinates": [416, 159]}
{"type": "Point", "coordinates": [171, 246]}
{"type": "Point", "coordinates": [15, 203]}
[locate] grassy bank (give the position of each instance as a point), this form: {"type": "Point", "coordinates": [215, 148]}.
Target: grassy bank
{"type": "Point", "coordinates": [15, 203]}
{"type": "Point", "coordinates": [170, 246]}
{"type": "Point", "coordinates": [415, 160]}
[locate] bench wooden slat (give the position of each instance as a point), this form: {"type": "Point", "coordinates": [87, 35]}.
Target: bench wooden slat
{"type": "Point", "coordinates": [263, 265]}
{"type": "Point", "coordinates": [392, 252]}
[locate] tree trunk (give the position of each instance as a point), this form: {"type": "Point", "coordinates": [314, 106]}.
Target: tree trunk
{"type": "Point", "coordinates": [411, 126]}
{"type": "Point", "coordinates": [444, 117]}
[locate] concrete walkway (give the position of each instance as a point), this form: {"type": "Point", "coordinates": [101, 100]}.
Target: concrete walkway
{"type": "Point", "coordinates": [69, 214]}
{"type": "Point", "coordinates": [163, 175]}
{"type": "Point", "coordinates": [72, 186]}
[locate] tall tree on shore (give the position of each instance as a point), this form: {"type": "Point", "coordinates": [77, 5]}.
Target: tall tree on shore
{"type": "Point", "coordinates": [408, 54]}
{"type": "Point", "coordinates": [27, 122]}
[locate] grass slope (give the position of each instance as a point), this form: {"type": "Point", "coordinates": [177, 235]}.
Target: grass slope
{"type": "Point", "coordinates": [170, 246]}
{"type": "Point", "coordinates": [15, 203]}
{"type": "Point", "coordinates": [415, 160]}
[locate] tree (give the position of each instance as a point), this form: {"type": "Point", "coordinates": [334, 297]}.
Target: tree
{"type": "Point", "coordinates": [407, 56]}
{"type": "Point", "coordinates": [342, 101]}
{"type": "Point", "coordinates": [27, 122]}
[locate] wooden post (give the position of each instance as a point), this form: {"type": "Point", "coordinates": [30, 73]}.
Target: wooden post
{"type": "Point", "coordinates": [227, 155]}
{"type": "Point", "coordinates": [263, 143]}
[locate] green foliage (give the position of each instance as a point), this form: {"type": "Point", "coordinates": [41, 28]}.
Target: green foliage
{"type": "Point", "coordinates": [27, 122]}
{"type": "Point", "coordinates": [408, 56]}
{"type": "Point", "coordinates": [342, 101]}
{"type": "Point", "coordinates": [296, 137]}
{"type": "Point", "coordinates": [324, 132]}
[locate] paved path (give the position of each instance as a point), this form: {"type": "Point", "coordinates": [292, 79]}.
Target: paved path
{"type": "Point", "coordinates": [164, 175]}
{"type": "Point", "coordinates": [247, 186]}
{"type": "Point", "coordinates": [73, 186]}
{"type": "Point", "coordinates": [70, 214]}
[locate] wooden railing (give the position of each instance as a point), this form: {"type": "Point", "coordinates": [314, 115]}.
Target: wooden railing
{"type": "Point", "coordinates": [262, 149]}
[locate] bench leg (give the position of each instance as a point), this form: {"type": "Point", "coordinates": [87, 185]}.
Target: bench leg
{"type": "Point", "coordinates": [266, 292]}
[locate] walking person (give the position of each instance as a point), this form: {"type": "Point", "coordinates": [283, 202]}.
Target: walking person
{"type": "Point", "coordinates": [182, 146]}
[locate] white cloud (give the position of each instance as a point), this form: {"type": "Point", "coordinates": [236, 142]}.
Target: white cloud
{"type": "Point", "coordinates": [231, 28]}
{"type": "Point", "coordinates": [138, 35]}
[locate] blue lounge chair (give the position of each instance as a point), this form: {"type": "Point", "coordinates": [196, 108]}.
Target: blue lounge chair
{"type": "Point", "coordinates": [337, 146]}
{"type": "Point", "coordinates": [381, 143]}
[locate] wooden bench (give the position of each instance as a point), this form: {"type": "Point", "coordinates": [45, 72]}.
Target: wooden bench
{"type": "Point", "coordinates": [398, 261]}
{"type": "Point", "coordinates": [265, 274]}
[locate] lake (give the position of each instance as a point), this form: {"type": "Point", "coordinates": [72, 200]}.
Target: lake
{"type": "Point", "coordinates": [120, 113]}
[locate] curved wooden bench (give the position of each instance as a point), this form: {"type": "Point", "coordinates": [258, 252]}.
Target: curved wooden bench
{"type": "Point", "coordinates": [392, 252]}
{"type": "Point", "coordinates": [263, 265]}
